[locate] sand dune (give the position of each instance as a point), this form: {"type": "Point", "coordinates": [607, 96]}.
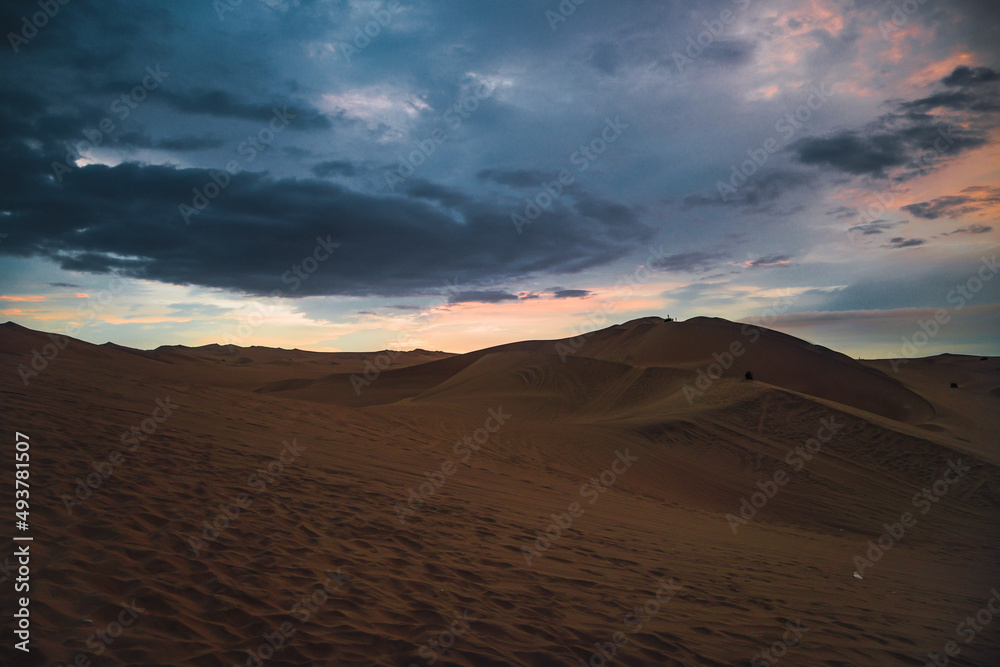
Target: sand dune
{"type": "Point", "coordinates": [379, 517]}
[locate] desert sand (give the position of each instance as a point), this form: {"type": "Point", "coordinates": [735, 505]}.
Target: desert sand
{"type": "Point", "coordinates": [535, 503]}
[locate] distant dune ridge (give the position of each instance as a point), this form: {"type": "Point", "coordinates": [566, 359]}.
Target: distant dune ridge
{"type": "Point", "coordinates": [423, 478]}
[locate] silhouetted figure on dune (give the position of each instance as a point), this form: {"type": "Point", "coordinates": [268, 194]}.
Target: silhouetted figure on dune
{"type": "Point", "coordinates": [748, 376]}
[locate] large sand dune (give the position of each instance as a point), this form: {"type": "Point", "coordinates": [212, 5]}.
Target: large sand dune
{"type": "Point", "coordinates": [724, 509]}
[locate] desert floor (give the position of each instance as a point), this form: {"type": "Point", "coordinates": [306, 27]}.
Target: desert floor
{"type": "Point", "coordinates": [531, 504]}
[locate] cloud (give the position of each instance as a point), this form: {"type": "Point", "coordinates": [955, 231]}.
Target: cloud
{"type": "Point", "coordinates": [873, 227]}
{"type": "Point", "coordinates": [31, 299]}
{"type": "Point", "coordinates": [180, 143]}
{"type": "Point", "coordinates": [770, 260]}
{"type": "Point", "coordinates": [909, 135]}
{"type": "Point", "coordinates": [449, 197]}
{"type": "Point", "coordinates": [841, 212]}
{"type": "Point", "coordinates": [688, 261]}
{"type": "Point", "coordinates": [488, 296]}
{"type": "Point", "coordinates": [605, 57]}
{"type": "Point", "coordinates": [571, 294]}
{"type": "Point", "coordinates": [900, 242]}
{"type": "Point", "coordinates": [222, 104]}
{"type": "Point", "coordinates": [971, 229]}
{"type": "Point", "coordinates": [334, 168]}
{"type": "Point", "coordinates": [969, 200]}
{"type": "Point", "coordinates": [970, 76]}
{"type": "Point", "coordinates": [874, 153]}
{"type": "Point", "coordinates": [849, 152]}
{"type": "Point", "coordinates": [760, 193]}
{"type": "Point", "coordinates": [514, 178]}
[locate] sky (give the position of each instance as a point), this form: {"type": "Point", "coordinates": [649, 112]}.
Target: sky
{"type": "Point", "coordinates": [367, 174]}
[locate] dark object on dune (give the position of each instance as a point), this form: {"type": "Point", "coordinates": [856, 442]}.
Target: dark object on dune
{"type": "Point", "coordinates": [984, 358]}
{"type": "Point", "coordinates": [954, 385]}
{"type": "Point", "coordinates": [748, 375]}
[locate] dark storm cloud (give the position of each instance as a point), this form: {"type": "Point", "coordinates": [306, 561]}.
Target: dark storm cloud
{"type": "Point", "coordinates": [125, 218]}
{"type": "Point", "coordinates": [970, 76]}
{"type": "Point", "coordinates": [957, 100]}
{"type": "Point", "coordinates": [969, 200]}
{"type": "Point", "coordinates": [188, 143]}
{"type": "Point", "coordinates": [222, 104]}
{"type": "Point", "coordinates": [446, 196]}
{"type": "Point", "coordinates": [873, 153]}
{"type": "Point", "coordinates": [514, 178]}
{"type": "Point", "coordinates": [179, 143]}
{"type": "Point", "coordinates": [909, 134]}
{"type": "Point", "coordinates": [259, 227]}
{"type": "Point", "coordinates": [854, 154]}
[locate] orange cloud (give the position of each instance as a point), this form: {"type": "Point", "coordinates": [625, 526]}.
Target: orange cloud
{"type": "Point", "coordinates": [22, 298]}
